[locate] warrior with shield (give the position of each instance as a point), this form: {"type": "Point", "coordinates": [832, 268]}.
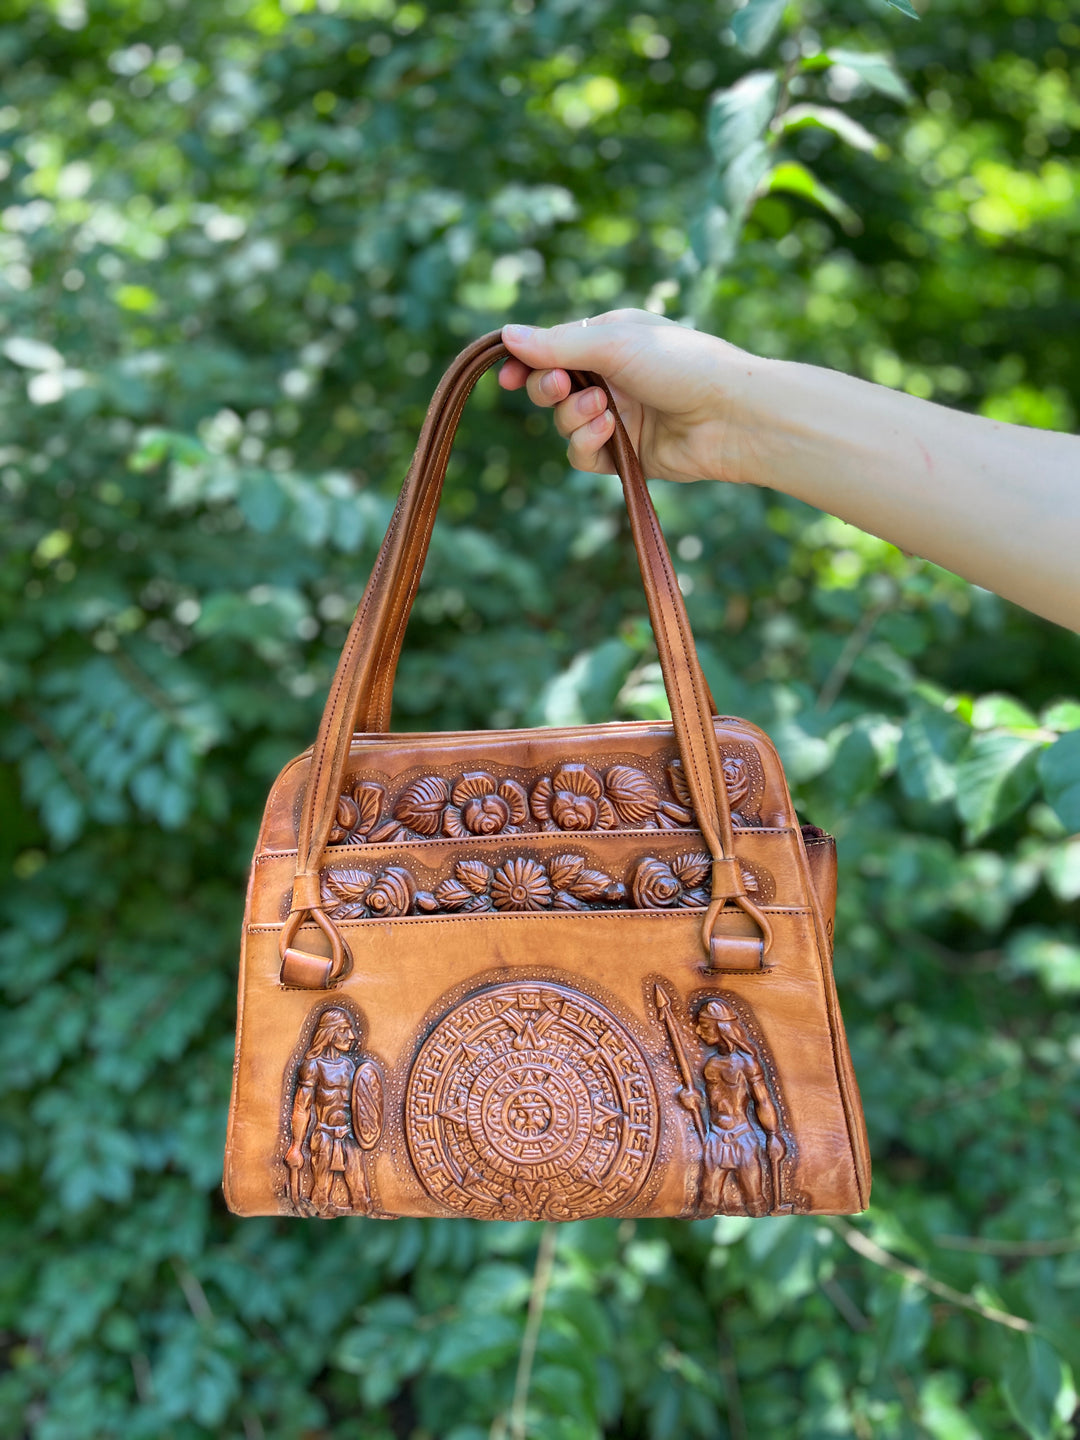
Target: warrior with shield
{"type": "Point", "coordinates": [337, 1118]}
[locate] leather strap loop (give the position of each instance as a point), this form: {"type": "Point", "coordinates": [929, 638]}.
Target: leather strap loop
{"type": "Point", "coordinates": [305, 891]}
{"type": "Point", "coordinates": [362, 688]}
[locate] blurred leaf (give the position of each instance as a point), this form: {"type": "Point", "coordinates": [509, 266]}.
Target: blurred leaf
{"type": "Point", "coordinates": [740, 115]}
{"type": "Point", "coordinates": [874, 70]}
{"type": "Point", "coordinates": [996, 776]}
{"type": "Point", "coordinates": [1059, 771]}
{"type": "Point", "coordinates": [755, 24]}
{"type": "Point", "coordinates": [931, 744]}
{"type": "Point", "coordinates": [838, 122]}
{"type": "Point", "coordinates": [796, 179]}
{"type": "Point", "coordinates": [1034, 1378]}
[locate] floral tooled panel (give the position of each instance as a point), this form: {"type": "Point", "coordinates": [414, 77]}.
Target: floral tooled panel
{"type": "Point", "coordinates": [571, 798]}
{"type": "Point", "coordinates": [528, 882]}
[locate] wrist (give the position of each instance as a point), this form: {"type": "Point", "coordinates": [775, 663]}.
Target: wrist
{"type": "Point", "coordinates": [744, 442]}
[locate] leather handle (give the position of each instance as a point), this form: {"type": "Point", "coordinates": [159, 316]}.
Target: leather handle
{"type": "Point", "coordinates": [363, 683]}
{"type": "Point", "coordinates": [374, 709]}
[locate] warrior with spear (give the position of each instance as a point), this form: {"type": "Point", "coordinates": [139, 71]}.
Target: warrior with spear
{"type": "Point", "coordinates": [736, 1096]}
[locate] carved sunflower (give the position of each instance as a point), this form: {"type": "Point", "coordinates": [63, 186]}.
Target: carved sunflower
{"type": "Point", "coordinates": [521, 885]}
{"type": "Point", "coordinates": [481, 805]}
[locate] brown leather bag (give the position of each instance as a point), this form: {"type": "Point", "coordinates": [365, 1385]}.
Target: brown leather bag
{"type": "Point", "coordinates": [537, 974]}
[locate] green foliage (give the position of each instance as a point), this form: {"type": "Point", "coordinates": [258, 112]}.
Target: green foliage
{"type": "Point", "coordinates": [237, 244]}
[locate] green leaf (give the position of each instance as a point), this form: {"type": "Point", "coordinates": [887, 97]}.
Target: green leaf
{"type": "Point", "coordinates": [1059, 772]}
{"type": "Point", "coordinates": [740, 115]}
{"type": "Point", "coordinates": [475, 1343]}
{"type": "Point", "coordinates": [1061, 716]}
{"type": "Point", "coordinates": [874, 70]}
{"type": "Point", "coordinates": [904, 1319]}
{"type": "Point", "coordinates": [997, 775]}
{"type": "Point", "coordinates": [1002, 712]}
{"type": "Point", "coordinates": [840, 124]}
{"type": "Point", "coordinates": [756, 24]}
{"type": "Point", "coordinates": [796, 179]}
{"type": "Point", "coordinates": [930, 746]}
{"type": "Point", "coordinates": [905, 7]}
{"type": "Point", "coordinates": [743, 177]}
{"type": "Point", "coordinates": [1052, 958]}
{"type": "Point", "coordinates": [1034, 1378]}
{"type": "Point", "coordinates": [855, 764]}
{"type": "Point", "coordinates": [584, 693]}
{"type": "Point", "coordinates": [261, 500]}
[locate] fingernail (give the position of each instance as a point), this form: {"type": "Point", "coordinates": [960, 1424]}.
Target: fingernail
{"type": "Point", "coordinates": [550, 383]}
{"type": "Point", "coordinates": [518, 332]}
{"type": "Point", "coordinates": [600, 424]}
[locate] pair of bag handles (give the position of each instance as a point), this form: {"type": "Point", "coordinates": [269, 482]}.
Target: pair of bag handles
{"type": "Point", "coordinates": [361, 693]}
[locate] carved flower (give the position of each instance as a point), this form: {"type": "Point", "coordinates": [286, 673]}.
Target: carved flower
{"type": "Point", "coordinates": [358, 895]}
{"type": "Point", "coordinates": [681, 884]}
{"type": "Point", "coordinates": [634, 796]}
{"type": "Point", "coordinates": [737, 780]}
{"type": "Point", "coordinates": [736, 783]}
{"type": "Point", "coordinates": [357, 813]}
{"type": "Point", "coordinates": [521, 885]}
{"type": "Point", "coordinates": [573, 799]}
{"type": "Point", "coordinates": [392, 894]}
{"type": "Point", "coordinates": [481, 805]}
{"type": "Point", "coordinates": [420, 805]}
{"type": "Point", "coordinates": [655, 886]}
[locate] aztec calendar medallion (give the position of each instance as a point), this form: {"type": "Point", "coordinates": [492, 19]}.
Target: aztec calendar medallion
{"type": "Point", "coordinates": [529, 1101]}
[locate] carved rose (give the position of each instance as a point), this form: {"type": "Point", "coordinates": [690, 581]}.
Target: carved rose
{"type": "Point", "coordinates": [573, 799]}
{"type": "Point", "coordinates": [420, 805]}
{"type": "Point", "coordinates": [655, 886]}
{"type": "Point", "coordinates": [358, 895]}
{"type": "Point", "coordinates": [357, 813]}
{"type": "Point", "coordinates": [681, 884]}
{"type": "Point", "coordinates": [521, 885]}
{"type": "Point", "coordinates": [481, 805]}
{"type": "Point", "coordinates": [392, 894]}
{"type": "Point", "coordinates": [736, 783]}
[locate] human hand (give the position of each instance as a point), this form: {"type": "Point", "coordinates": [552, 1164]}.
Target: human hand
{"type": "Point", "coordinates": [690, 1100]}
{"type": "Point", "coordinates": [678, 391]}
{"type": "Point", "coordinates": [294, 1157]}
{"type": "Point", "coordinates": [776, 1147]}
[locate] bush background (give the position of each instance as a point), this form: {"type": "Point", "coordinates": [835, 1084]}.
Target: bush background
{"type": "Point", "coordinates": [238, 243]}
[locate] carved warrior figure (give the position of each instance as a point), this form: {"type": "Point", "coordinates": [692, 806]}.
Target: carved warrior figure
{"type": "Point", "coordinates": [737, 1121]}
{"type": "Point", "coordinates": [337, 1118]}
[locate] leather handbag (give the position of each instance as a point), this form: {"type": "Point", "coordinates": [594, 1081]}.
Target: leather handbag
{"type": "Point", "coordinates": [537, 974]}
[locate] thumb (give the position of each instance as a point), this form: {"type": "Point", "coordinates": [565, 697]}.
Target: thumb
{"type": "Point", "coordinates": [568, 347]}
{"type": "Point", "coordinates": [599, 346]}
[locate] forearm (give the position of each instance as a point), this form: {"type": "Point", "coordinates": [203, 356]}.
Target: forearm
{"type": "Point", "coordinates": [996, 503]}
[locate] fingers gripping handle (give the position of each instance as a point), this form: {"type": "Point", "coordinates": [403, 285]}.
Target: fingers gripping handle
{"type": "Point", "coordinates": [361, 691]}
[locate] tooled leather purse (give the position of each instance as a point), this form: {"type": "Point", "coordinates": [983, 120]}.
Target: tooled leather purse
{"type": "Point", "coordinates": [537, 974]}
